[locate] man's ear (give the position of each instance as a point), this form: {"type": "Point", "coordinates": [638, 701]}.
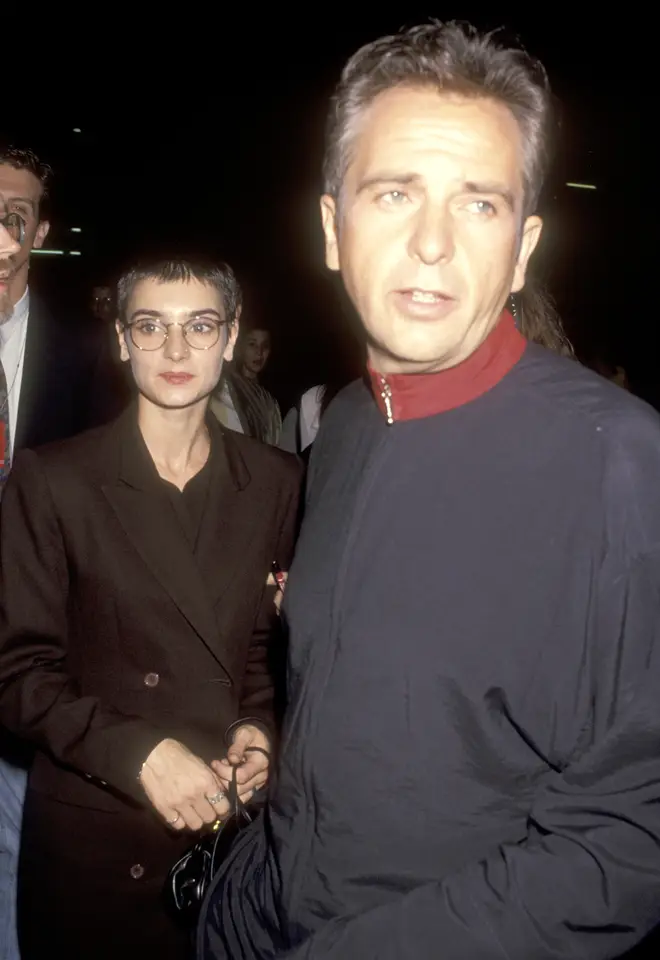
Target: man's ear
{"type": "Point", "coordinates": [531, 234]}
{"type": "Point", "coordinates": [329, 220]}
{"type": "Point", "coordinates": [41, 234]}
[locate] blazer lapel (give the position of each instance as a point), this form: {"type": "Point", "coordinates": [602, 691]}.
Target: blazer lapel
{"type": "Point", "coordinates": [150, 522]}
{"type": "Point", "coordinates": [231, 517]}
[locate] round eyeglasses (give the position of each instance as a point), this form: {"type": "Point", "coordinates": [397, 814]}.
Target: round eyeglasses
{"type": "Point", "coordinates": [14, 225]}
{"type": "Point", "coordinates": [151, 335]}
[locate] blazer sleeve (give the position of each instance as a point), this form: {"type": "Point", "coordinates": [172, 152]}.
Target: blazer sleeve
{"type": "Point", "coordinates": [39, 700]}
{"type": "Point", "coordinates": [266, 655]}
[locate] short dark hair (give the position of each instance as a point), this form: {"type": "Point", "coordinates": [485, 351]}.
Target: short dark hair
{"type": "Point", "coordinates": [182, 270]}
{"type": "Point", "coordinates": [452, 58]}
{"type": "Point", "coordinates": [23, 158]}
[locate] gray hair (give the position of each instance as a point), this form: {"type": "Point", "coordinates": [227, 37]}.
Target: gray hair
{"type": "Point", "coordinates": [451, 58]}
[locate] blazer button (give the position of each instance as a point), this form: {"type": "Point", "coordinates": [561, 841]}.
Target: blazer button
{"type": "Point", "coordinates": [137, 871]}
{"type": "Point", "coordinates": [151, 680]}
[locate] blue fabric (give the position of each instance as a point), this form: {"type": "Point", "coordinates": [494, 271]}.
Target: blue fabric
{"type": "Point", "coordinates": [12, 793]}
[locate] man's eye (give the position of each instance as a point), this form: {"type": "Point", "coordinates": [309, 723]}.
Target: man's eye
{"type": "Point", "coordinates": [484, 207]}
{"type": "Point", "coordinates": [393, 197]}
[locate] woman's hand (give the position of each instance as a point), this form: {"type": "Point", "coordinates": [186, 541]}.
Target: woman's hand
{"type": "Point", "coordinates": [183, 789]}
{"type": "Point", "coordinates": [250, 752]}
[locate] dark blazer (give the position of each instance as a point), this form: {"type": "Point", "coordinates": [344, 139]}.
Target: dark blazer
{"type": "Point", "coordinates": [113, 635]}
{"type": "Point", "coordinates": [69, 383]}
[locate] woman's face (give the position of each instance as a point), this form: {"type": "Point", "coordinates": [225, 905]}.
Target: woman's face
{"type": "Point", "coordinates": [183, 368]}
{"type": "Point", "coordinates": [255, 352]}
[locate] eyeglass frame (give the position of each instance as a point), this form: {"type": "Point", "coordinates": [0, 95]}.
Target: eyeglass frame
{"type": "Point", "coordinates": [176, 323]}
{"type": "Point", "coordinates": [21, 225]}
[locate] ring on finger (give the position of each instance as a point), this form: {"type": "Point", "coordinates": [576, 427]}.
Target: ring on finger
{"type": "Point", "coordinates": [175, 820]}
{"type": "Point", "coordinates": [217, 797]}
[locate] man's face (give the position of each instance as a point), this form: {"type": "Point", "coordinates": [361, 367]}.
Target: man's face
{"type": "Point", "coordinates": [20, 193]}
{"type": "Point", "coordinates": [176, 375]}
{"type": "Point", "coordinates": [429, 236]}
{"type": "Point", "coordinates": [9, 247]}
{"type": "Point", "coordinates": [256, 351]}
{"type": "Point", "coordinates": [102, 304]}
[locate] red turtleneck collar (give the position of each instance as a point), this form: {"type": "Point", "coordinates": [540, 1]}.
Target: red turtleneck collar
{"type": "Point", "coordinates": [411, 396]}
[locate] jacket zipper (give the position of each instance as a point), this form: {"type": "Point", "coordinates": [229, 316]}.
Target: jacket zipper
{"type": "Point", "coordinates": [386, 394]}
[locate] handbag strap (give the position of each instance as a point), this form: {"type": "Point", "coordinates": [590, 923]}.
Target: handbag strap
{"type": "Point", "coordinates": [237, 808]}
{"type": "Point", "coordinates": [235, 802]}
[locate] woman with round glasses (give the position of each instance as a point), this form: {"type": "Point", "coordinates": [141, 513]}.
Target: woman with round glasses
{"type": "Point", "coordinates": [138, 627]}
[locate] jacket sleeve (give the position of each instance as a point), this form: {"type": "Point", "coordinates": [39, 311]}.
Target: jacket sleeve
{"type": "Point", "coordinates": [263, 681]}
{"type": "Point", "coordinates": [39, 700]}
{"type": "Point", "coordinates": [585, 880]}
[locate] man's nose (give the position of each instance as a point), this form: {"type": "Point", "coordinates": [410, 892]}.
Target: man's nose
{"type": "Point", "coordinates": [8, 246]}
{"type": "Point", "coordinates": [432, 237]}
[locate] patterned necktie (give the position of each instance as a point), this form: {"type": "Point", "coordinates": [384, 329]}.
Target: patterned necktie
{"type": "Point", "coordinates": [5, 461]}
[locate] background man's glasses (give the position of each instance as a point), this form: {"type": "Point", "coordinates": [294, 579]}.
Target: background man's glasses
{"type": "Point", "coordinates": [198, 334]}
{"type": "Point", "coordinates": [15, 226]}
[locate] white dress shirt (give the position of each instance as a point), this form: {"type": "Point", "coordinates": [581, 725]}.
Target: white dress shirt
{"type": "Point", "coordinates": [13, 333]}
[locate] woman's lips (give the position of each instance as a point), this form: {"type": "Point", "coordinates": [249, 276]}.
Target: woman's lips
{"type": "Point", "coordinates": [176, 378]}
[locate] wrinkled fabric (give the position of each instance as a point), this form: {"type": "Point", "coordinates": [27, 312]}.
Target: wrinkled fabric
{"type": "Point", "coordinates": [471, 763]}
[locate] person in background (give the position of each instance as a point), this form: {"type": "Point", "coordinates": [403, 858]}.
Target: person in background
{"type": "Point", "coordinates": [103, 310]}
{"type": "Point", "coordinates": [241, 402]}
{"type": "Point", "coordinates": [471, 766]}
{"type": "Point", "coordinates": [138, 633]}
{"type": "Point", "coordinates": [102, 304]}
{"type": "Point", "coordinates": [54, 382]}
{"type": "Point", "coordinates": [301, 424]}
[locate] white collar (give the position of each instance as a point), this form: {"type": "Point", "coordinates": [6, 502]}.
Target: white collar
{"type": "Point", "coordinates": [18, 317]}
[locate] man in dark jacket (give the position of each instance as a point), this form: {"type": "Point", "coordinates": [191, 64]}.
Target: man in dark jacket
{"type": "Point", "coordinates": [55, 381]}
{"type": "Point", "coordinates": [471, 759]}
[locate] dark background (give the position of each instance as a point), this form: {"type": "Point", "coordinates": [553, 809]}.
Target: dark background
{"type": "Point", "coordinates": [204, 132]}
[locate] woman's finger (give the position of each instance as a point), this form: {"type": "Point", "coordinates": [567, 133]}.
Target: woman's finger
{"type": "Point", "coordinates": [191, 819]}
{"type": "Point", "coordinates": [175, 821]}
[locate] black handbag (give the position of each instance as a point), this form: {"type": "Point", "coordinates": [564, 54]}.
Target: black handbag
{"type": "Point", "coordinates": [191, 876]}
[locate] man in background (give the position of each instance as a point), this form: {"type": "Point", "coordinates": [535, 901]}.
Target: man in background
{"type": "Point", "coordinates": [54, 382]}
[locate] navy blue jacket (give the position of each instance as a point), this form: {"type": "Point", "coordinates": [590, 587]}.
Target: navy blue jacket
{"type": "Point", "coordinates": [471, 760]}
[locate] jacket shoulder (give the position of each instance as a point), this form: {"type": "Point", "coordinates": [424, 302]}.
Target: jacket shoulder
{"type": "Point", "coordinates": [79, 449]}
{"type": "Point", "coordinates": [264, 459]}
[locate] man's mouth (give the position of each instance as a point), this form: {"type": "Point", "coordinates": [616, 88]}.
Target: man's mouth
{"type": "Point", "coordinates": [421, 304]}
{"type": "Point", "coordinates": [426, 296]}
